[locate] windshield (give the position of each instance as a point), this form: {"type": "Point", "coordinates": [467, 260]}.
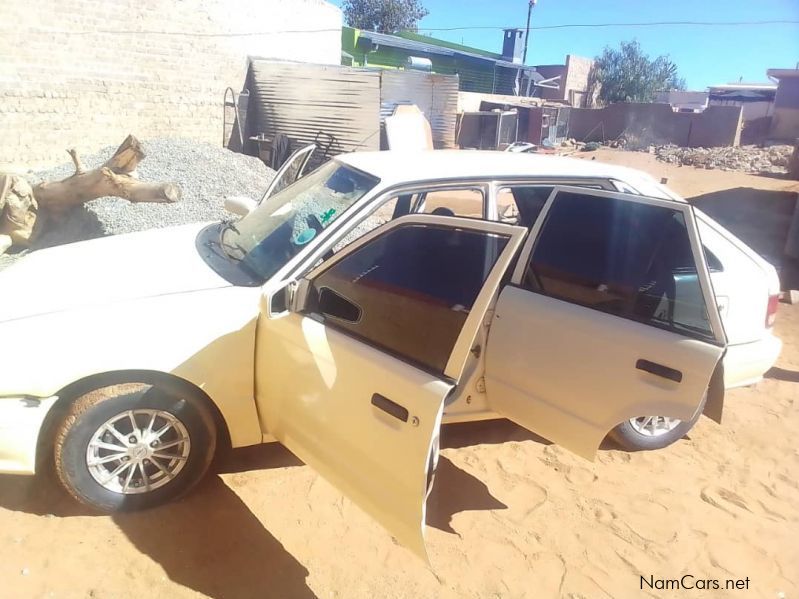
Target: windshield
{"type": "Point", "coordinates": [278, 229]}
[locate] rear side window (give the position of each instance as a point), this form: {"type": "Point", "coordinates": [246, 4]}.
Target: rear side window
{"type": "Point", "coordinates": [622, 257]}
{"type": "Point", "coordinates": [468, 203]}
{"type": "Point", "coordinates": [521, 204]}
{"type": "Point", "coordinates": [408, 291]}
{"type": "Point", "coordinates": [713, 263]}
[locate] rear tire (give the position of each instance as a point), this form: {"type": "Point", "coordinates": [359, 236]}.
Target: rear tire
{"type": "Point", "coordinates": [632, 436]}
{"type": "Point", "coordinates": [133, 446]}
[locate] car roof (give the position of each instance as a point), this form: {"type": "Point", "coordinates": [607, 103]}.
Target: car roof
{"type": "Point", "coordinates": [428, 165]}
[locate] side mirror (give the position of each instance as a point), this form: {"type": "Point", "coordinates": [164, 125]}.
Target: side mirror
{"type": "Point", "coordinates": [240, 205]}
{"type": "Point", "coordinates": [289, 298]}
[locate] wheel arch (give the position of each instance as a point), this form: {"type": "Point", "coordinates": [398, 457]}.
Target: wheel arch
{"type": "Point", "coordinates": [713, 402]}
{"type": "Point", "coordinates": [76, 389]}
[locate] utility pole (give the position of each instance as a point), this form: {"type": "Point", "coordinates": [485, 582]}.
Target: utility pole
{"type": "Point", "coordinates": [527, 31]}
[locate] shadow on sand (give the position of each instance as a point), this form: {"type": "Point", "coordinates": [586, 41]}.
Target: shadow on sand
{"type": "Point", "coordinates": [209, 541]}
{"type": "Point", "coordinates": [212, 543]}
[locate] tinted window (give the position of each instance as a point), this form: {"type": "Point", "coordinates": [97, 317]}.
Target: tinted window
{"type": "Point", "coordinates": [411, 290]}
{"type": "Point", "coordinates": [629, 259]}
{"type": "Point", "coordinates": [713, 263]}
{"type": "Point", "coordinates": [521, 204]}
{"type": "Point", "coordinates": [525, 203]}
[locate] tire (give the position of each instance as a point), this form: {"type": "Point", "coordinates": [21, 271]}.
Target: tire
{"type": "Point", "coordinates": [103, 463]}
{"type": "Point", "coordinates": [629, 437]}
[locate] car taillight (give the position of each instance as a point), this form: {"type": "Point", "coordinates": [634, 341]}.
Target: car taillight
{"type": "Point", "coordinates": [771, 310]}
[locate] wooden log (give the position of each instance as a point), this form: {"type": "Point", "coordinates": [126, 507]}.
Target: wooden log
{"type": "Point", "coordinates": [56, 197]}
{"type": "Point", "coordinates": [18, 211]}
{"type": "Point", "coordinates": [127, 157]}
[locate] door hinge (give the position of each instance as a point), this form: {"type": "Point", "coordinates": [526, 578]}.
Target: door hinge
{"type": "Point", "coordinates": [476, 350]}
{"type": "Point", "coordinates": [488, 317]}
{"type": "Point", "coordinates": [481, 385]}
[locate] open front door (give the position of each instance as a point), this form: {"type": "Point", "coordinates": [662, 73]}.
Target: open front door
{"type": "Point", "coordinates": [611, 316]}
{"type": "Point", "coordinates": [291, 170]}
{"type": "Point", "coordinates": [353, 382]}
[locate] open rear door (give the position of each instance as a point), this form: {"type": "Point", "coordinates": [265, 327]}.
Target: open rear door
{"type": "Point", "coordinates": [353, 382]}
{"type": "Point", "coordinates": [291, 170]}
{"type": "Point", "coordinates": [611, 316]}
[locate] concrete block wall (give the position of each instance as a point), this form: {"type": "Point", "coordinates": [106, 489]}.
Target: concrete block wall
{"type": "Point", "coordinates": [657, 124]}
{"type": "Point", "coordinates": [785, 122]}
{"type": "Point", "coordinates": [85, 73]}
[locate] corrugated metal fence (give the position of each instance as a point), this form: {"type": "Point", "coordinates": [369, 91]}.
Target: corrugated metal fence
{"type": "Point", "coordinates": [344, 105]}
{"type": "Point", "coordinates": [302, 100]}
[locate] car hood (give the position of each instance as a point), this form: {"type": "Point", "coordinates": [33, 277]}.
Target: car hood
{"type": "Point", "coordinates": [99, 272]}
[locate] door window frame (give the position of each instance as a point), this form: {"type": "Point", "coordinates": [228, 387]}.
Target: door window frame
{"type": "Point", "coordinates": [499, 184]}
{"type": "Point", "coordinates": [697, 250]}
{"type": "Point", "coordinates": [303, 155]}
{"type": "Point", "coordinates": [515, 235]}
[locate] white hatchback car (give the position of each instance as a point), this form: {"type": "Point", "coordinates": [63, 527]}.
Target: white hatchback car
{"type": "Point", "coordinates": [364, 303]}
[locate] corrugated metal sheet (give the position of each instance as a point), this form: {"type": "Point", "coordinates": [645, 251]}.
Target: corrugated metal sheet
{"type": "Point", "coordinates": [435, 95]}
{"type": "Point", "coordinates": [302, 100]}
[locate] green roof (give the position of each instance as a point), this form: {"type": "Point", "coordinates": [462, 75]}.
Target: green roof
{"type": "Point", "coordinates": [408, 35]}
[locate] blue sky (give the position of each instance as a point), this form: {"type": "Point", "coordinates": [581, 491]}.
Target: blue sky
{"type": "Point", "coordinates": [705, 55]}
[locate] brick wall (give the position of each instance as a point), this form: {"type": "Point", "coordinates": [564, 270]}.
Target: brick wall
{"type": "Point", "coordinates": [84, 73]}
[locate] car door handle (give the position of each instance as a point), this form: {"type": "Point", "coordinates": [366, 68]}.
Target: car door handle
{"type": "Point", "coordinates": [659, 370]}
{"type": "Point", "coordinates": [390, 407]}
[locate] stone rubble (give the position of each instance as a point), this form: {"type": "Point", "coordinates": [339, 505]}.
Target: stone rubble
{"type": "Point", "coordinates": [747, 159]}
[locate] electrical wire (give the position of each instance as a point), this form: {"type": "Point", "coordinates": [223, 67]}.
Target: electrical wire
{"type": "Point", "coordinates": [460, 28]}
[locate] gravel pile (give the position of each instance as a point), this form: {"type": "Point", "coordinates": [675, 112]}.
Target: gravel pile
{"type": "Point", "coordinates": [205, 173]}
{"type": "Point", "coordinates": [747, 159]}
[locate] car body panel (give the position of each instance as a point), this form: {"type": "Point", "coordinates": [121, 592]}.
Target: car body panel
{"type": "Point", "coordinates": [571, 373]}
{"type": "Point", "coordinates": [205, 337]}
{"type": "Point", "coordinates": [314, 392]}
{"type": "Point", "coordinates": [316, 388]}
{"type": "Point", "coordinates": [21, 419]}
{"type": "Point", "coordinates": [105, 271]}
{"type": "Point", "coordinates": [568, 373]}
{"type": "Point", "coordinates": [746, 363]}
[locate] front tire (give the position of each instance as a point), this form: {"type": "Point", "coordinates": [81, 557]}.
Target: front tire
{"type": "Point", "coordinates": [133, 446]}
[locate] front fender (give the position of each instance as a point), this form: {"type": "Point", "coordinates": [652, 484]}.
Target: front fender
{"type": "Point", "coordinates": [205, 337]}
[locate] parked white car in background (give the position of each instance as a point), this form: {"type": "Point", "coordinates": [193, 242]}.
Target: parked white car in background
{"type": "Point", "coordinates": [359, 306]}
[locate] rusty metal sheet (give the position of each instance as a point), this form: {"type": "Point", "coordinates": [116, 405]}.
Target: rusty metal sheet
{"type": "Point", "coordinates": [435, 95]}
{"type": "Point", "coordinates": [338, 103]}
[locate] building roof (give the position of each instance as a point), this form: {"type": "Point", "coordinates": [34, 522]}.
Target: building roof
{"type": "Point", "coordinates": [394, 41]}
{"type": "Point", "coordinates": [407, 167]}
{"type": "Point", "coordinates": [744, 87]}
{"type": "Point", "coordinates": [783, 73]}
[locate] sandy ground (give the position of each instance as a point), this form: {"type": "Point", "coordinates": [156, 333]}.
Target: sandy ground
{"type": "Point", "coordinates": [510, 515]}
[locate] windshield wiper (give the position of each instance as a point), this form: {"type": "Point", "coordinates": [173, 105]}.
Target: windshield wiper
{"type": "Point", "coordinates": [228, 224]}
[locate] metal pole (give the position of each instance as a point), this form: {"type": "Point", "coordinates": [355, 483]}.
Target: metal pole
{"type": "Point", "coordinates": [527, 30]}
